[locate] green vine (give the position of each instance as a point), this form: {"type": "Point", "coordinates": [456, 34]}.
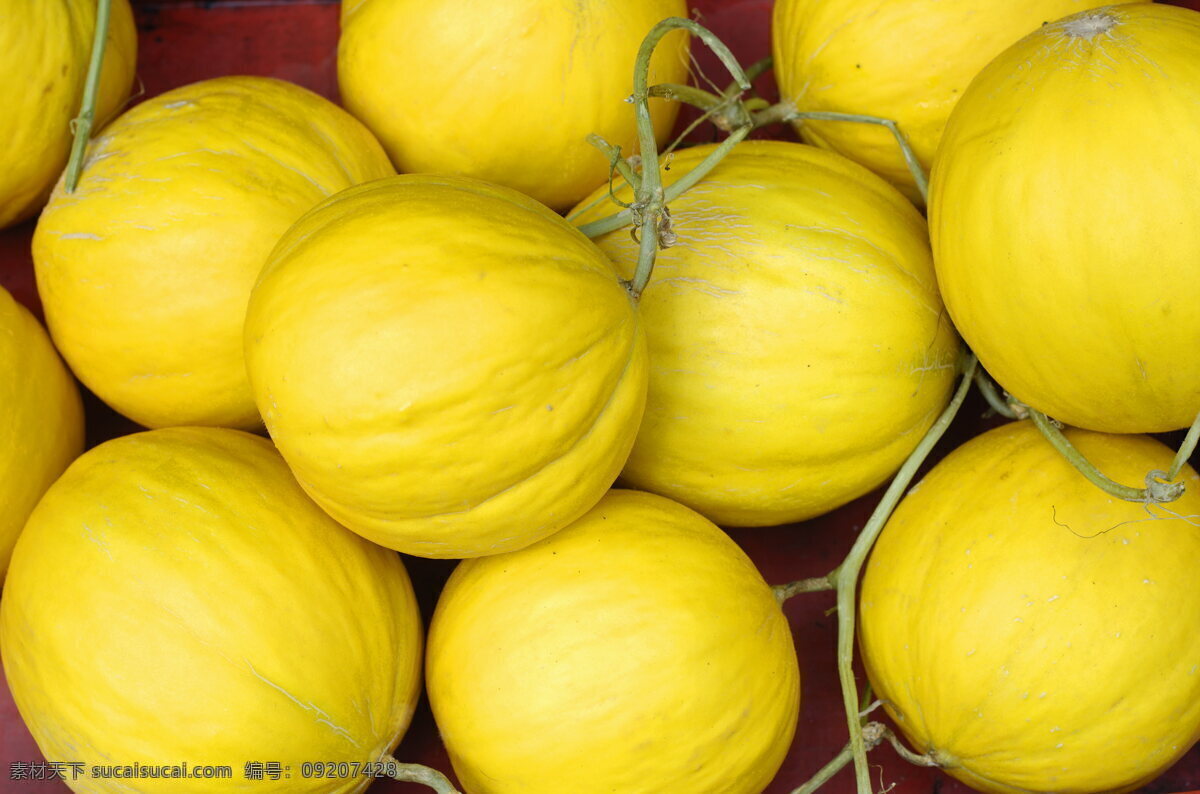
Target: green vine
{"type": "Point", "coordinates": [848, 572]}
{"type": "Point", "coordinates": [1185, 450]}
{"type": "Point", "coordinates": [1157, 489]}
{"type": "Point", "coordinates": [1001, 405]}
{"type": "Point", "coordinates": [651, 220]}
{"type": "Point", "coordinates": [910, 157]}
{"type": "Point", "coordinates": [729, 112]}
{"type": "Point", "coordinates": [648, 213]}
{"type": "Point", "coordinates": [416, 773]}
{"type": "Point", "coordinates": [815, 585]}
{"type": "Point", "coordinates": [81, 125]}
{"type": "Point", "coordinates": [1161, 486]}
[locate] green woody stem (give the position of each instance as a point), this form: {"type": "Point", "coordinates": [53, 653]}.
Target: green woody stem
{"type": "Point", "coordinates": [785, 591]}
{"type": "Point", "coordinates": [649, 212]}
{"type": "Point", "coordinates": [81, 125]}
{"type": "Point", "coordinates": [651, 196]}
{"type": "Point", "coordinates": [829, 770]}
{"type": "Point", "coordinates": [622, 166]}
{"type": "Point", "coordinates": [624, 217]}
{"type": "Point", "coordinates": [872, 733]}
{"type": "Point", "coordinates": [815, 585]}
{"type": "Point", "coordinates": [847, 578]}
{"type": "Point", "coordinates": [910, 157]}
{"type": "Point", "coordinates": [993, 398]}
{"type": "Point", "coordinates": [696, 97]}
{"type": "Point", "coordinates": [785, 112]}
{"type": "Point", "coordinates": [1185, 450]}
{"type": "Point", "coordinates": [416, 773]}
{"type": "Point", "coordinates": [1160, 485]}
{"type": "Point", "coordinates": [759, 68]}
{"type": "Point", "coordinates": [908, 755]}
{"type": "Point", "coordinates": [1157, 488]}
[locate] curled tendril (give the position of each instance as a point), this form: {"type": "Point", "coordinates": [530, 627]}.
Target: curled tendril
{"type": "Point", "coordinates": [1159, 487]}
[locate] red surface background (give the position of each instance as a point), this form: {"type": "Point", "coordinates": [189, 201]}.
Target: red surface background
{"type": "Point", "coordinates": [184, 41]}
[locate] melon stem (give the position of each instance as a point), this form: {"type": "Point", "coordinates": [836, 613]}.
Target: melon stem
{"type": "Point", "coordinates": [873, 733]}
{"type": "Point", "coordinates": [617, 164]}
{"type": "Point", "coordinates": [1185, 449]}
{"type": "Point", "coordinates": [714, 103]}
{"type": "Point", "coordinates": [648, 213]}
{"type": "Point", "coordinates": [1158, 486]}
{"type": "Point", "coordinates": [785, 111]}
{"type": "Point", "coordinates": [416, 773]}
{"type": "Point", "coordinates": [81, 125]}
{"type": "Point", "coordinates": [696, 97]}
{"type": "Point", "coordinates": [814, 585]}
{"type": "Point", "coordinates": [848, 572]}
{"type": "Point", "coordinates": [908, 755]}
{"type": "Point", "coordinates": [910, 157]}
{"type": "Point", "coordinates": [727, 111]}
{"type": "Point", "coordinates": [999, 404]}
{"type": "Point", "coordinates": [759, 67]}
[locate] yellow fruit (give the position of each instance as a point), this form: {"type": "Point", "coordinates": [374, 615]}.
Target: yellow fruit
{"type": "Point", "coordinates": [449, 368]}
{"type": "Point", "coordinates": [1063, 221]}
{"type": "Point", "coordinates": [798, 346]}
{"type": "Point", "coordinates": [144, 271]}
{"type": "Point", "coordinates": [1032, 632]}
{"type": "Point", "coordinates": [636, 651]}
{"type": "Point", "coordinates": [905, 61]}
{"type": "Point", "coordinates": [505, 91]}
{"type": "Point", "coordinates": [41, 419]}
{"type": "Point", "coordinates": [45, 47]}
{"type": "Point", "coordinates": [177, 598]}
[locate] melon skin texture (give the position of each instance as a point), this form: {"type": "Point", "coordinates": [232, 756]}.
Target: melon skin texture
{"type": "Point", "coordinates": [905, 61]}
{"type": "Point", "coordinates": [449, 368]}
{"type": "Point", "coordinates": [1063, 221]}
{"type": "Point", "coordinates": [638, 650]}
{"type": "Point", "coordinates": [144, 271]}
{"type": "Point", "coordinates": [506, 91]}
{"type": "Point", "coordinates": [41, 419]}
{"type": "Point", "coordinates": [798, 346]}
{"type": "Point", "coordinates": [1028, 630]}
{"type": "Point", "coordinates": [45, 47]}
{"type": "Point", "coordinates": [176, 597]}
